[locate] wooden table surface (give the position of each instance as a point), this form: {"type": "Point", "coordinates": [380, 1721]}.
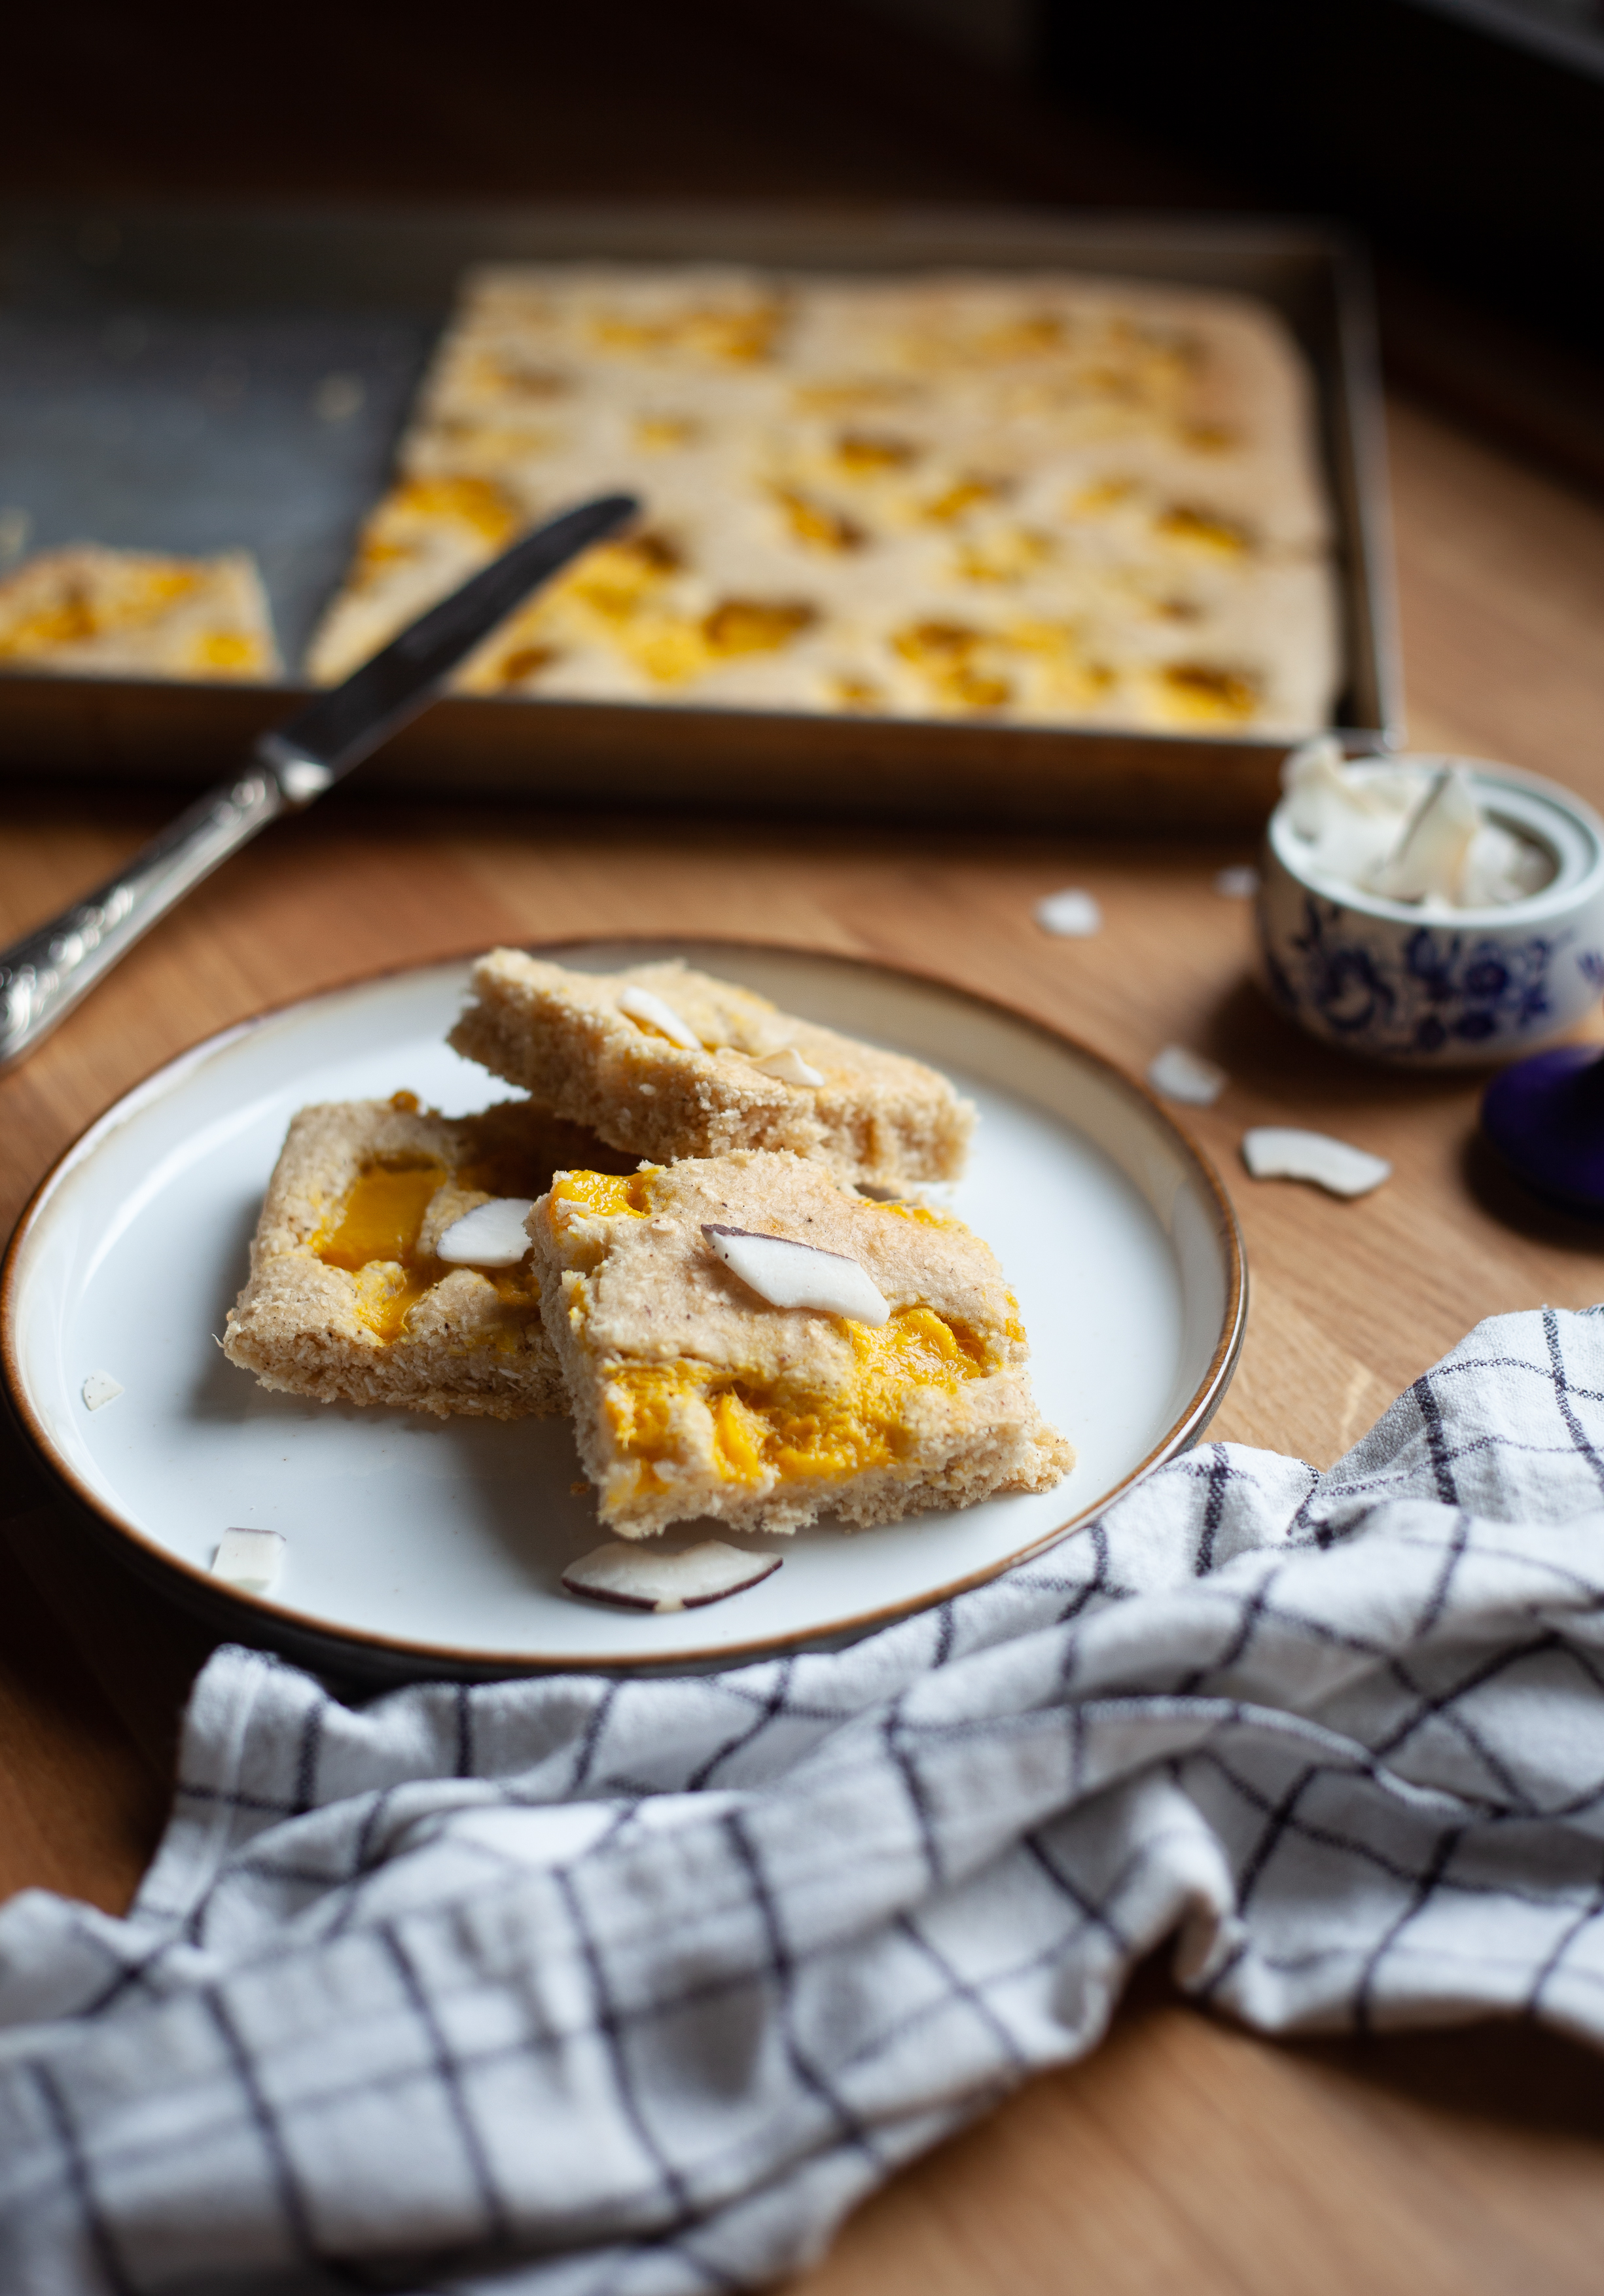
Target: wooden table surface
{"type": "Point", "coordinates": [1184, 2153]}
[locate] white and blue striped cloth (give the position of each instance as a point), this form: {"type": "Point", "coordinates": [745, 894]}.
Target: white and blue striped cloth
{"type": "Point", "coordinates": [579, 1987]}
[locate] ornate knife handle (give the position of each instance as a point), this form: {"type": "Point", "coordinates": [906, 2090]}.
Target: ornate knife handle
{"type": "Point", "coordinates": [43, 976]}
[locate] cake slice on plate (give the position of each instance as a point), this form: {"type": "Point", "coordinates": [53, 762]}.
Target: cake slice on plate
{"type": "Point", "coordinates": [370, 1283]}
{"type": "Point", "coordinates": [743, 1337]}
{"type": "Point", "coordinates": [672, 1063]}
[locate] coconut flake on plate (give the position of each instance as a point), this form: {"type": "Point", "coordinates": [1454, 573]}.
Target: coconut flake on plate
{"type": "Point", "coordinates": [250, 1560]}
{"type": "Point", "coordinates": [788, 1065]}
{"type": "Point", "coordinates": [789, 1275]}
{"type": "Point", "coordinates": [1180, 1075]}
{"type": "Point", "coordinates": [1072, 915]}
{"type": "Point", "coordinates": [667, 1579]}
{"type": "Point", "coordinates": [99, 1388]}
{"type": "Point", "coordinates": [1272, 1151]}
{"type": "Point", "coordinates": [491, 1236]}
{"type": "Point", "coordinates": [653, 1011]}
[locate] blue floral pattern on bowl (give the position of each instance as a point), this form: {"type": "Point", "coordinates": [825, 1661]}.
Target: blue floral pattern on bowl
{"type": "Point", "coordinates": [1440, 988]}
{"type": "Point", "coordinates": [1442, 991]}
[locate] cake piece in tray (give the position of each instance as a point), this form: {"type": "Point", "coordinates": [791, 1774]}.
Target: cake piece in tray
{"type": "Point", "coordinates": [1031, 497]}
{"type": "Point", "coordinates": [360, 1292]}
{"type": "Point", "coordinates": [87, 610]}
{"type": "Point", "coordinates": [743, 1337]}
{"type": "Point", "coordinates": [671, 1062]}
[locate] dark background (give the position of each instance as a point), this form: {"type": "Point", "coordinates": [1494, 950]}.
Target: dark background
{"type": "Point", "coordinates": [1463, 138]}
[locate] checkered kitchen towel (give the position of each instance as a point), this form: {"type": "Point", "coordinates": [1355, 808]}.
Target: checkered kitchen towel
{"type": "Point", "coordinates": [587, 1988]}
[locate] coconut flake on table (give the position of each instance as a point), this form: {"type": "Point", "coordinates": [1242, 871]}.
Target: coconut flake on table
{"type": "Point", "coordinates": [491, 1236]}
{"type": "Point", "coordinates": [1236, 884]}
{"type": "Point", "coordinates": [667, 1579]}
{"type": "Point", "coordinates": [788, 1065]}
{"type": "Point", "coordinates": [1273, 1152]}
{"type": "Point", "coordinates": [1072, 915]}
{"type": "Point", "coordinates": [653, 1011]}
{"type": "Point", "coordinates": [789, 1275]}
{"type": "Point", "coordinates": [1409, 832]}
{"type": "Point", "coordinates": [250, 1560]}
{"type": "Point", "coordinates": [1187, 1077]}
{"type": "Point", "coordinates": [99, 1388]}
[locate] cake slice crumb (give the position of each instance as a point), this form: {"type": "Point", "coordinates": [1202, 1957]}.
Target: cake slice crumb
{"type": "Point", "coordinates": [672, 1063]}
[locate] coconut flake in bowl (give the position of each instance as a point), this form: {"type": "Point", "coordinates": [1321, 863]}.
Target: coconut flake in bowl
{"type": "Point", "coordinates": [1430, 910]}
{"type": "Point", "coordinates": [1409, 831]}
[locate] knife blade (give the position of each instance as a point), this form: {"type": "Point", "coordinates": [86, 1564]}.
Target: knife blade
{"type": "Point", "coordinates": [43, 975]}
{"type": "Point", "coordinates": [342, 727]}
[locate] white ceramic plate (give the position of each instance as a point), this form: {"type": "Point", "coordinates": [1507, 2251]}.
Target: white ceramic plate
{"type": "Point", "coordinates": [429, 1543]}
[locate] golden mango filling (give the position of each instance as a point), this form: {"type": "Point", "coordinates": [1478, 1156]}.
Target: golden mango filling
{"type": "Point", "coordinates": [476, 503]}
{"type": "Point", "coordinates": [375, 1236]}
{"type": "Point", "coordinates": [864, 454]}
{"type": "Point", "coordinates": [381, 1216]}
{"type": "Point", "coordinates": [654, 1411]}
{"type": "Point", "coordinates": [608, 1195]}
{"type": "Point", "coordinates": [959, 498]}
{"type": "Point", "coordinates": [620, 590]}
{"type": "Point", "coordinates": [74, 614]}
{"type": "Point", "coordinates": [816, 523]}
{"type": "Point", "coordinates": [1203, 530]}
{"type": "Point", "coordinates": [737, 337]}
{"type": "Point", "coordinates": [1010, 556]}
{"type": "Point", "coordinates": [972, 669]}
{"type": "Point", "coordinates": [375, 1239]}
{"type": "Point", "coordinates": [1206, 693]}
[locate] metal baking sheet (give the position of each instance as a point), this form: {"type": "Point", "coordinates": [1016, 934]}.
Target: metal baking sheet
{"type": "Point", "coordinates": [193, 378]}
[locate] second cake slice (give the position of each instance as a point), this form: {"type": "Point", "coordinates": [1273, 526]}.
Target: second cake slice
{"type": "Point", "coordinates": [669, 1063]}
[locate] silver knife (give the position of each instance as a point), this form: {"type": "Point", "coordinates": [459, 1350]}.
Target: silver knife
{"type": "Point", "coordinates": [43, 976]}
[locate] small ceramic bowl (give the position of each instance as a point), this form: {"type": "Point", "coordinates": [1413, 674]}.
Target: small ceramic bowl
{"type": "Point", "coordinates": [1441, 990]}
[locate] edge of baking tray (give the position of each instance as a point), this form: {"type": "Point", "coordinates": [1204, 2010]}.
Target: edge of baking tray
{"type": "Point", "coordinates": [322, 256]}
{"type": "Point", "coordinates": [658, 756]}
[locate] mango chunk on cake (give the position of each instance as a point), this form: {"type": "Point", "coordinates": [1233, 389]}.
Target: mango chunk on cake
{"type": "Point", "coordinates": [350, 1299]}
{"type": "Point", "coordinates": [694, 1393]}
{"type": "Point", "coordinates": [671, 1062]}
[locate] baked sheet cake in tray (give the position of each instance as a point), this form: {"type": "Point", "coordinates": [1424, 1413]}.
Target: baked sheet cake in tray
{"type": "Point", "coordinates": [947, 515]}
